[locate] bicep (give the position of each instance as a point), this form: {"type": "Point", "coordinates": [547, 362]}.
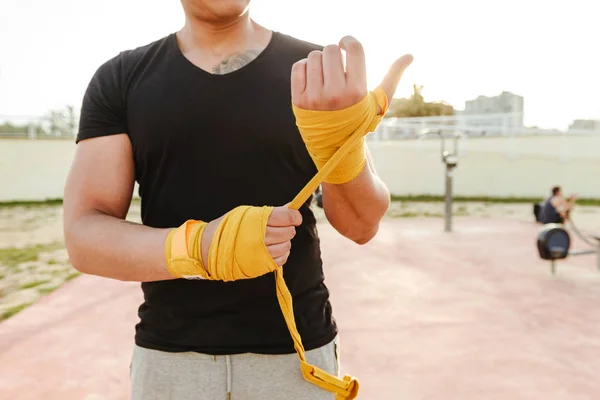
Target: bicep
{"type": "Point", "coordinates": [101, 178]}
{"type": "Point", "coordinates": [102, 175]}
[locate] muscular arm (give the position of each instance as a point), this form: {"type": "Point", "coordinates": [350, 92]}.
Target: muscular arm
{"type": "Point", "coordinates": [97, 196]}
{"type": "Point", "coordinates": [320, 82]}
{"type": "Point", "coordinates": [355, 208]}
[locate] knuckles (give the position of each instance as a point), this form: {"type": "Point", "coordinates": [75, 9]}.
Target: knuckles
{"type": "Point", "coordinates": [330, 98]}
{"type": "Point", "coordinates": [333, 98]}
{"type": "Point", "coordinates": [355, 94]}
{"type": "Point", "coordinates": [314, 103]}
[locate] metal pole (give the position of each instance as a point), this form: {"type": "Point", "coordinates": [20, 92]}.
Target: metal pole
{"type": "Point", "coordinates": [448, 201]}
{"type": "Point", "coordinates": [553, 267]}
{"type": "Point", "coordinates": [31, 131]}
{"type": "Point", "coordinates": [442, 145]}
{"type": "Point", "coordinates": [456, 136]}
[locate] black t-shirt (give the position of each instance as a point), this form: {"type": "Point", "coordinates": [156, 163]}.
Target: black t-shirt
{"type": "Point", "coordinates": [204, 144]}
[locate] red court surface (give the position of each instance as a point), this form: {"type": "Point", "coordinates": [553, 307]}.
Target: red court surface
{"type": "Point", "coordinates": [423, 315]}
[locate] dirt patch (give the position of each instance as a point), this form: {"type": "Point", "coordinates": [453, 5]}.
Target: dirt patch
{"type": "Point", "coordinates": [33, 258]}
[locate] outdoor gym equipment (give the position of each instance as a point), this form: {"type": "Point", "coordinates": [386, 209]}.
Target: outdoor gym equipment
{"type": "Point", "coordinates": [554, 242]}
{"type": "Point", "coordinates": [450, 159]}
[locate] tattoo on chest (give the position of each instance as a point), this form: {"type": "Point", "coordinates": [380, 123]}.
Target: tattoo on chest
{"type": "Point", "coordinates": [235, 61]}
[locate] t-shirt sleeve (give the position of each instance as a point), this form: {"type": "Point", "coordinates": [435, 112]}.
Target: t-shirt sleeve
{"type": "Point", "coordinates": [103, 105]}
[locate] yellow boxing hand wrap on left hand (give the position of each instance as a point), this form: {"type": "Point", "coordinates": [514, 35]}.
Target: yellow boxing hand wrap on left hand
{"type": "Point", "coordinates": [237, 250]}
{"type": "Point", "coordinates": [324, 132]}
{"type": "Point", "coordinates": [335, 140]}
{"type": "Point", "coordinates": [183, 250]}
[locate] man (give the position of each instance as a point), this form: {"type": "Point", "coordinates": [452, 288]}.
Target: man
{"type": "Point", "coordinates": [556, 208]}
{"type": "Point", "coordinates": [202, 120]}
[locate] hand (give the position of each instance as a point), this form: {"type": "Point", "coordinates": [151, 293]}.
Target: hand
{"type": "Point", "coordinates": [320, 83]}
{"type": "Point", "coordinates": [281, 228]}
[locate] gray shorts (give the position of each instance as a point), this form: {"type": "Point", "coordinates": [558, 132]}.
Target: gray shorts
{"type": "Point", "coordinates": [157, 375]}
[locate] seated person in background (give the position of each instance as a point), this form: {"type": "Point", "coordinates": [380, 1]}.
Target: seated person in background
{"type": "Point", "coordinates": [556, 208]}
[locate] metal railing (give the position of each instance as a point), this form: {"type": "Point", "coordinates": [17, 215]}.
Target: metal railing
{"type": "Point", "coordinates": [508, 126]}
{"type": "Point", "coordinates": [472, 125]}
{"type": "Point", "coordinates": [34, 125]}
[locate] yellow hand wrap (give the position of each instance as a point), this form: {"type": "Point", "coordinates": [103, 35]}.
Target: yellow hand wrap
{"type": "Point", "coordinates": [335, 140]}
{"type": "Point", "coordinates": [237, 250]}
{"type": "Point", "coordinates": [325, 132]}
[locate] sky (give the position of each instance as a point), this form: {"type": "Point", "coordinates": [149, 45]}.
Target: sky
{"type": "Point", "coordinates": [546, 51]}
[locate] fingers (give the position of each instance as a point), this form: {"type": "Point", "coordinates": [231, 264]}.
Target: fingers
{"type": "Point", "coordinates": [392, 78]}
{"type": "Point", "coordinates": [333, 68]}
{"type": "Point", "coordinates": [281, 260]}
{"type": "Point", "coordinates": [322, 83]}
{"type": "Point", "coordinates": [279, 249]}
{"type": "Point", "coordinates": [314, 72]}
{"type": "Point", "coordinates": [276, 235]}
{"type": "Point", "coordinates": [283, 216]}
{"type": "Point", "coordinates": [281, 228]}
{"type": "Point", "coordinates": [356, 71]}
{"type": "Point", "coordinates": [298, 80]}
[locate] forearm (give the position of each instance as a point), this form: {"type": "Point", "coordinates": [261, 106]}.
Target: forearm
{"type": "Point", "coordinates": [355, 208]}
{"type": "Point", "coordinates": [102, 245]}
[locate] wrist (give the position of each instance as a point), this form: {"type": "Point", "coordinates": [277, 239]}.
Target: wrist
{"type": "Point", "coordinates": [207, 238]}
{"type": "Point", "coordinates": [350, 167]}
{"type": "Point", "coordinates": [183, 251]}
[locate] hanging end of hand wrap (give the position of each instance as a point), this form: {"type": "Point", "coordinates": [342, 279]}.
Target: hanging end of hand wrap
{"type": "Point", "coordinates": [344, 389]}
{"type": "Point", "coordinates": [352, 387]}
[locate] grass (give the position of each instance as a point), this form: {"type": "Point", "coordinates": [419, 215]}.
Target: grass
{"type": "Point", "coordinates": [414, 214]}
{"type": "Point", "coordinates": [31, 203]}
{"type": "Point", "coordinates": [408, 198]}
{"type": "Point", "coordinates": [48, 290]}
{"type": "Point", "coordinates": [34, 284]}
{"type": "Point", "coordinates": [72, 275]}
{"type": "Point", "coordinates": [13, 256]}
{"type": "Point", "coordinates": [15, 310]}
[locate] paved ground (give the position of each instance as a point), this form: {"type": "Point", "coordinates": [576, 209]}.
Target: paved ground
{"type": "Point", "coordinates": [423, 315]}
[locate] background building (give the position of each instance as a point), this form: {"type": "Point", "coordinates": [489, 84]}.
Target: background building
{"type": "Point", "coordinates": [585, 124]}
{"type": "Point", "coordinates": [504, 103]}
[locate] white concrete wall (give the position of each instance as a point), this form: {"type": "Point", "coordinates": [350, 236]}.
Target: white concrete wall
{"type": "Point", "coordinates": [36, 169]}
{"type": "Point", "coordinates": [523, 167]}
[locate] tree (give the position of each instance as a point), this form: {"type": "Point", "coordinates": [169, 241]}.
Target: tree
{"type": "Point", "coordinates": [9, 128]}
{"type": "Point", "coordinates": [62, 122]}
{"type": "Point", "coordinates": [416, 106]}
{"type": "Point", "coordinates": [71, 123]}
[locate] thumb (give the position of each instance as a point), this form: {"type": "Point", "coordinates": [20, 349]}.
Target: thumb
{"type": "Point", "coordinates": [392, 78]}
